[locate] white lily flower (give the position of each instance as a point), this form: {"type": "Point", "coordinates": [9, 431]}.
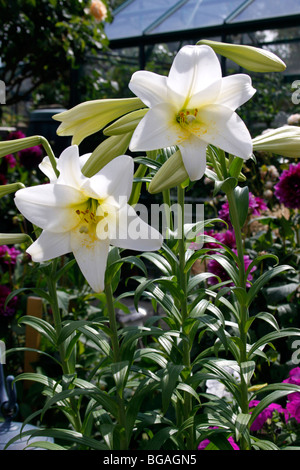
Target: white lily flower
{"type": "Point", "coordinates": [191, 108]}
{"type": "Point", "coordinates": [85, 215]}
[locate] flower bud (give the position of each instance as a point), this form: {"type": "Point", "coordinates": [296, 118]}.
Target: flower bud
{"type": "Point", "coordinates": [10, 188]}
{"type": "Point", "coordinates": [283, 141]}
{"type": "Point", "coordinates": [90, 117]}
{"type": "Point", "coordinates": [248, 57]}
{"type": "Point", "coordinates": [14, 238]}
{"type": "Point", "coordinates": [171, 174]}
{"type": "Point", "coordinates": [105, 152]}
{"type": "Point", "coordinates": [126, 123]}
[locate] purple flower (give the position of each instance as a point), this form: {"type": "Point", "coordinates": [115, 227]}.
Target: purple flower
{"type": "Point", "coordinates": [294, 378]}
{"type": "Point", "coordinates": [287, 190]}
{"type": "Point", "coordinates": [203, 444]}
{"type": "Point", "coordinates": [15, 135]}
{"type": "Point", "coordinates": [8, 255]}
{"type": "Point", "coordinates": [10, 309]}
{"type": "Point", "coordinates": [215, 267]}
{"type": "Point", "coordinates": [256, 206]}
{"type": "Point", "coordinates": [293, 407]}
{"type": "Point", "coordinates": [11, 161]}
{"type": "Point", "coordinates": [266, 414]}
{"type": "Point", "coordinates": [30, 158]}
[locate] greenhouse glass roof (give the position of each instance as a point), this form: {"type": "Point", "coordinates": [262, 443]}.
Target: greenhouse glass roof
{"type": "Point", "coordinates": [150, 21]}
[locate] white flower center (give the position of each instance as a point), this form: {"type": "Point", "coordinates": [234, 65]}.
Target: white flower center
{"type": "Point", "coordinates": [98, 218]}
{"type": "Point", "coordinates": [186, 116]}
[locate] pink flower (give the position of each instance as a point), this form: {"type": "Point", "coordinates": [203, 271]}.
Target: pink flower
{"type": "Point", "coordinates": [294, 378]}
{"type": "Point", "coordinates": [203, 444]}
{"type": "Point", "coordinates": [215, 267]}
{"type": "Point", "coordinates": [15, 135]}
{"type": "Point", "coordinates": [256, 206]}
{"type": "Point", "coordinates": [266, 414]}
{"type": "Point", "coordinates": [11, 161]}
{"type": "Point", "coordinates": [30, 158]}
{"type": "Point", "coordinates": [10, 309]}
{"type": "Point", "coordinates": [293, 407]}
{"type": "Point", "coordinates": [287, 190]}
{"type": "Point", "coordinates": [8, 255]}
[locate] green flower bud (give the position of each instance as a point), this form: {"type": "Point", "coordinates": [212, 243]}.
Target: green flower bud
{"type": "Point", "coordinates": [109, 149]}
{"type": "Point", "coordinates": [126, 123]}
{"type": "Point", "coordinates": [283, 141]}
{"type": "Point", "coordinates": [90, 117]}
{"type": "Point", "coordinates": [248, 57]}
{"type": "Point", "coordinates": [171, 174]}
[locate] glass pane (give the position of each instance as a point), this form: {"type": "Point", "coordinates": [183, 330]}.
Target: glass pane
{"type": "Point", "coordinates": [261, 9]}
{"type": "Point", "coordinates": [197, 14]}
{"type": "Point", "coordinates": [134, 18]}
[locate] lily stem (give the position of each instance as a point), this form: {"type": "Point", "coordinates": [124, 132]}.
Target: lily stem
{"type": "Point", "coordinates": [117, 357]}
{"type": "Point", "coordinates": [186, 347]}
{"type": "Point", "coordinates": [243, 311]}
{"type": "Point", "coordinates": [65, 363]}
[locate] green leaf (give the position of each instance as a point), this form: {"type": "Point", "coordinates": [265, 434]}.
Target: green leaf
{"type": "Point", "coordinates": [66, 435]}
{"type": "Point", "coordinates": [168, 383]}
{"type": "Point", "coordinates": [271, 337]}
{"type": "Point", "coordinates": [241, 196]}
{"type": "Point", "coordinates": [120, 372]}
{"type": "Point", "coordinates": [159, 261]}
{"type": "Point", "coordinates": [264, 279]}
{"type": "Point", "coordinates": [160, 438]}
{"type": "Point", "coordinates": [47, 445]}
{"type": "Point", "coordinates": [265, 316]}
{"type": "Point", "coordinates": [225, 186]}
{"type": "Point", "coordinates": [247, 370]}
{"type": "Point", "coordinates": [41, 326]}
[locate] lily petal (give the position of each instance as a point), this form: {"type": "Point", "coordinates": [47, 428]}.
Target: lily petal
{"type": "Point", "coordinates": [46, 167]}
{"type": "Point", "coordinates": [158, 129]}
{"type": "Point", "coordinates": [51, 206]}
{"type": "Point", "coordinates": [193, 69]}
{"type": "Point", "coordinates": [194, 157]}
{"type": "Point", "coordinates": [91, 256]}
{"type": "Point", "coordinates": [225, 129]}
{"type": "Point", "coordinates": [49, 245]}
{"type": "Point", "coordinates": [114, 180]}
{"type": "Point", "coordinates": [69, 169]}
{"type": "Point", "coordinates": [235, 91]}
{"type": "Point", "coordinates": [150, 87]}
{"type": "Point", "coordinates": [134, 233]}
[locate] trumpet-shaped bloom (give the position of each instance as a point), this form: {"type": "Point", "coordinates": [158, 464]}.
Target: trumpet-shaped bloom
{"type": "Point", "coordinates": [193, 107]}
{"type": "Point", "coordinates": [85, 215]}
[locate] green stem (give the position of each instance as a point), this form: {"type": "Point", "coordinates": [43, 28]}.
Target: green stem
{"type": "Point", "coordinates": [243, 311]}
{"type": "Point", "coordinates": [66, 366]}
{"type": "Point", "coordinates": [186, 347]}
{"type": "Point", "coordinates": [117, 357]}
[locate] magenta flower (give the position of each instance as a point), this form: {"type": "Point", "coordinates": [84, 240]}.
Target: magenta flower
{"type": "Point", "coordinates": [8, 255]}
{"type": "Point", "coordinates": [266, 414]}
{"type": "Point", "coordinates": [287, 190]}
{"type": "Point", "coordinates": [293, 407]}
{"type": "Point", "coordinates": [215, 267]}
{"type": "Point", "coordinates": [203, 444]}
{"type": "Point", "coordinates": [30, 158]}
{"type": "Point", "coordinates": [256, 206]}
{"type": "Point", "coordinates": [11, 161]}
{"type": "Point", "coordinates": [10, 309]}
{"type": "Point", "coordinates": [294, 378]}
{"type": "Point", "coordinates": [15, 135]}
